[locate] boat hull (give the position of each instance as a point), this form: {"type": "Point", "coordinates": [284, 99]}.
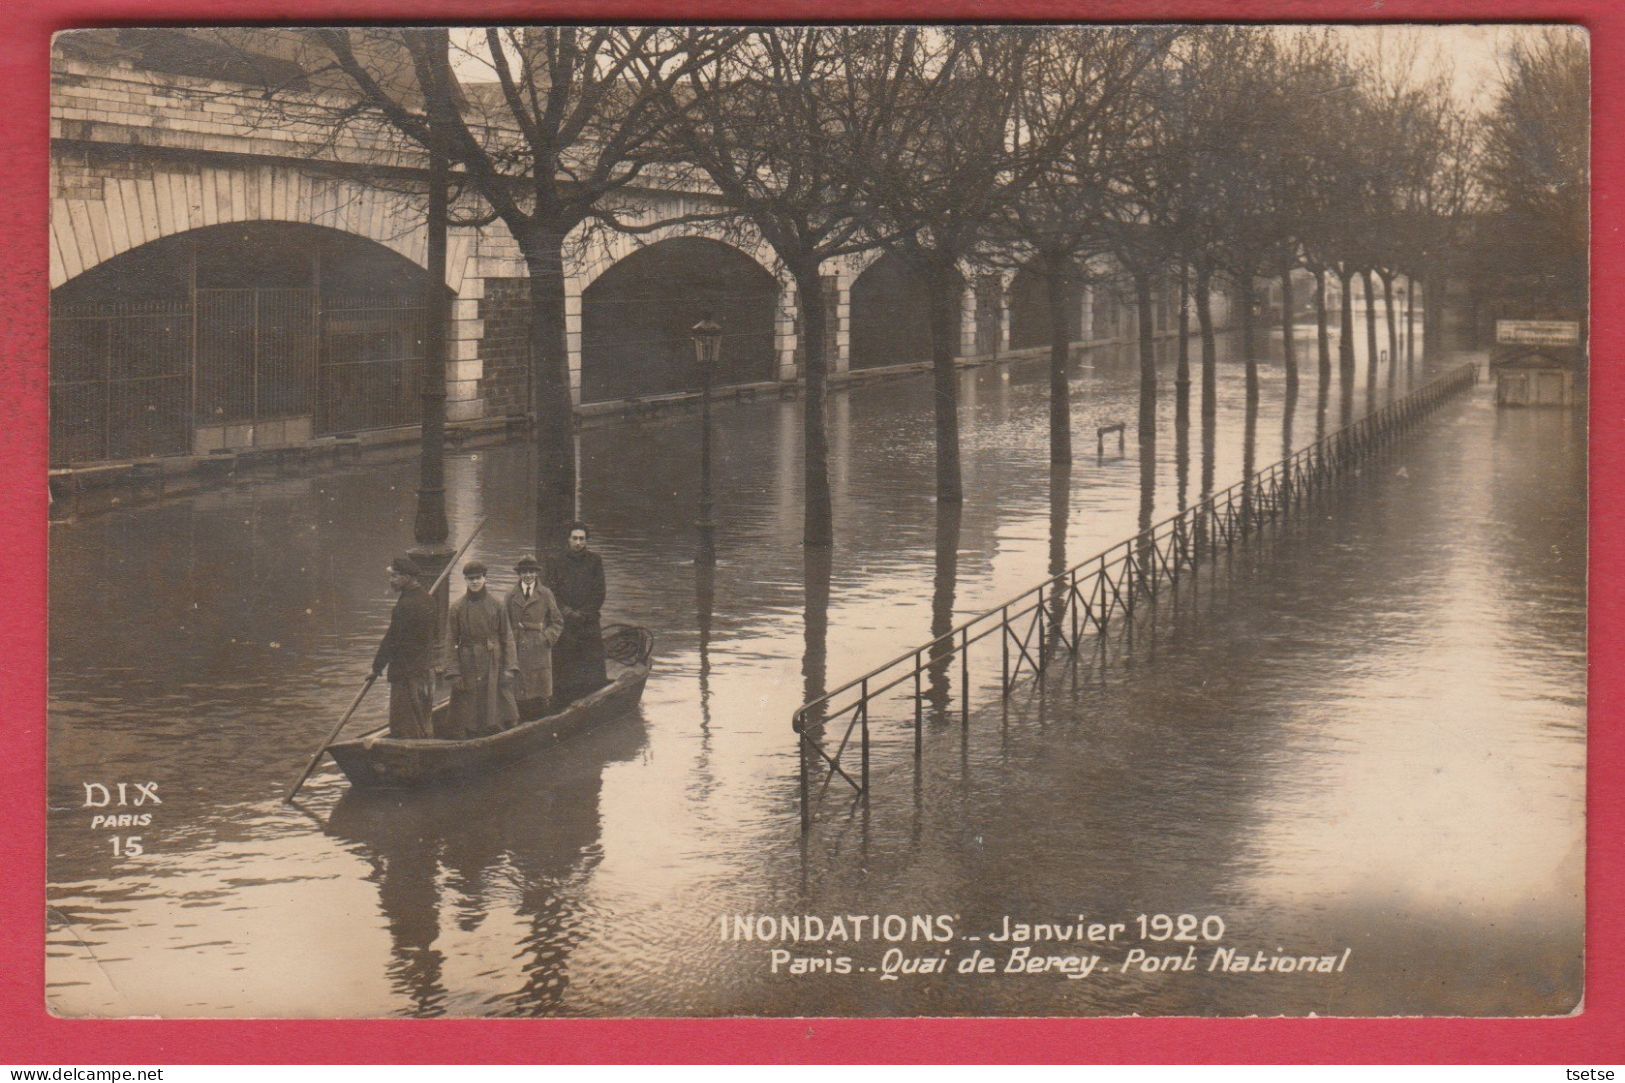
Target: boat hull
{"type": "Point", "coordinates": [378, 760]}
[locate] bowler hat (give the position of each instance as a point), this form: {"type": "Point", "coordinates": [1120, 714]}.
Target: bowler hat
{"type": "Point", "coordinates": [404, 565]}
{"type": "Point", "coordinates": [473, 568]}
{"type": "Point", "coordinates": [527, 564]}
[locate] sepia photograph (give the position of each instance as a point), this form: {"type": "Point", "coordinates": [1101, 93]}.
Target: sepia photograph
{"type": "Point", "coordinates": [847, 520]}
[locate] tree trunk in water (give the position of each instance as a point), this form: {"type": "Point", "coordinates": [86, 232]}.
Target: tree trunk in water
{"type": "Point", "coordinates": [815, 572]}
{"type": "Point", "coordinates": [1182, 374]}
{"type": "Point", "coordinates": [1393, 325]}
{"type": "Point", "coordinates": [1431, 316]}
{"type": "Point", "coordinates": [1210, 351]}
{"type": "Point", "coordinates": [1148, 343]}
{"type": "Point", "coordinates": [1323, 351]}
{"type": "Point", "coordinates": [818, 526]}
{"type": "Point", "coordinates": [1370, 324]}
{"type": "Point", "coordinates": [1060, 395]}
{"type": "Point", "coordinates": [1289, 350]}
{"type": "Point", "coordinates": [429, 529]}
{"type": "Point", "coordinates": [1345, 325]}
{"type": "Point", "coordinates": [1245, 281]}
{"type": "Point", "coordinates": [944, 285]}
{"type": "Point", "coordinates": [1410, 321]}
{"type": "Point", "coordinates": [943, 587]}
{"type": "Point", "coordinates": [550, 391]}
{"type": "Point", "coordinates": [1323, 338]}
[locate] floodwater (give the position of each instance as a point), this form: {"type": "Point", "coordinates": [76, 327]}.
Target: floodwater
{"type": "Point", "coordinates": [1362, 738]}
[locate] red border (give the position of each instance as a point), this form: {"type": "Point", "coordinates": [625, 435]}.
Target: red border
{"type": "Point", "coordinates": [29, 1035]}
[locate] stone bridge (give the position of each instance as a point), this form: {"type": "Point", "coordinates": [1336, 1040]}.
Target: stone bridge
{"type": "Point", "coordinates": [222, 279]}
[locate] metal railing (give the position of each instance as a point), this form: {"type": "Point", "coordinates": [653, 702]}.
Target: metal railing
{"type": "Point", "coordinates": [121, 380]}
{"type": "Point", "coordinates": [371, 372]}
{"type": "Point", "coordinates": [1082, 601]}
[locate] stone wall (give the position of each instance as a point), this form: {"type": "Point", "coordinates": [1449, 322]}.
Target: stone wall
{"type": "Point", "coordinates": [506, 312]}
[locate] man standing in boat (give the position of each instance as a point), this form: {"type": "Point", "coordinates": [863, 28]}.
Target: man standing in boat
{"type": "Point", "coordinates": [577, 579]}
{"type": "Point", "coordinates": [407, 654]}
{"type": "Point", "coordinates": [537, 625]}
{"type": "Point", "coordinates": [480, 661]}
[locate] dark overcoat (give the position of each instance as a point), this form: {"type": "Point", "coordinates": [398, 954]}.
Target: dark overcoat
{"type": "Point", "coordinates": [480, 661]}
{"type": "Point", "coordinates": [577, 582]}
{"type": "Point", "coordinates": [407, 656]}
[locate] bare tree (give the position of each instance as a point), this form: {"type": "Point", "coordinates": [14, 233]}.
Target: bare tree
{"type": "Point", "coordinates": [950, 155]}
{"type": "Point", "coordinates": [774, 125]}
{"type": "Point", "coordinates": [1178, 206]}
{"type": "Point", "coordinates": [1536, 169]}
{"type": "Point", "coordinates": [1091, 83]}
{"type": "Point", "coordinates": [549, 146]}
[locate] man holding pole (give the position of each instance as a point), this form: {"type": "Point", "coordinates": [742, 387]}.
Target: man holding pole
{"type": "Point", "coordinates": [407, 653]}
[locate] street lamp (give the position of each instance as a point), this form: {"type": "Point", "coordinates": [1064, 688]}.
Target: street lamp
{"type": "Point", "coordinates": [707, 336]}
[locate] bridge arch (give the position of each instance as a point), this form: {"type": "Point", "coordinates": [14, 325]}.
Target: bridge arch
{"type": "Point", "coordinates": [890, 315]}
{"type": "Point", "coordinates": [636, 314]}
{"type": "Point", "coordinates": [133, 212]}
{"type": "Point", "coordinates": [1029, 310]}
{"type": "Point", "coordinates": [252, 334]}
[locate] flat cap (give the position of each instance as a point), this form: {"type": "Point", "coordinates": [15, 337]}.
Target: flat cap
{"type": "Point", "coordinates": [404, 565]}
{"type": "Point", "coordinates": [527, 564]}
{"type": "Point", "coordinates": [473, 568]}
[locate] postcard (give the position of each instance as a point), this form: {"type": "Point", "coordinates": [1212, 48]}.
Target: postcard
{"type": "Point", "coordinates": [871, 521]}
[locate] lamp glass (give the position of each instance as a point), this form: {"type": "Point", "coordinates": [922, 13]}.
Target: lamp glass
{"type": "Point", "coordinates": [707, 337]}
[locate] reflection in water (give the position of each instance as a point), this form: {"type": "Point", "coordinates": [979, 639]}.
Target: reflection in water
{"type": "Point", "coordinates": [528, 836]}
{"type": "Point", "coordinates": [1370, 339]}
{"type": "Point", "coordinates": [816, 562]}
{"type": "Point", "coordinates": [1323, 343]}
{"type": "Point", "coordinates": [1322, 395]}
{"type": "Point", "coordinates": [1145, 554]}
{"type": "Point", "coordinates": [1204, 526]}
{"type": "Point", "coordinates": [404, 868]}
{"type": "Point", "coordinates": [1289, 410]}
{"type": "Point", "coordinates": [943, 584]}
{"type": "Point", "coordinates": [1238, 772]}
{"type": "Point", "coordinates": [1249, 463]}
{"type": "Point", "coordinates": [1148, 464]}
{"type": "Point", "coordinates": [1182, 372]}
{"type": "Point", "coordinates": [705, 590]}
{"type": "Point", "coordinates": [1182, 448]}
{"type": "Point", "coordinates": [1345, 401]}
{"type": "Point", "coordinates": [1289, 346]}
{"type": "Point", "coordinates": [1060, 492]}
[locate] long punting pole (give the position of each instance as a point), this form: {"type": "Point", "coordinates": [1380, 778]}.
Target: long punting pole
{"type": "Point", "coordinates": [368, 683]}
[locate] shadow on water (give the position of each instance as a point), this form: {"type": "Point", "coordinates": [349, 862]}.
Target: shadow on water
{"type": "Point", "coordinates": [1182, 447]}
{"type": "Point", "coordinates": [1060, 492]}
{"type": "Point", "coordinates": [816, 563]}
{"type": "Point", "coordinates": [943, 584]}
{"type": "Point", "coordinates": [1288, 412]}
{"type": "Point", "coordinates": [441, 859]}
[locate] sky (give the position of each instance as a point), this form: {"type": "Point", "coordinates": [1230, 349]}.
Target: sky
{"type": "Point", "coordinates": [1469, 49]}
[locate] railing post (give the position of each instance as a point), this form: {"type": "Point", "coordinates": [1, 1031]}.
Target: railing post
{"type": "Point", "coordinates": [1042, 661]}
{"type": "Point", "coordinates": [919, 711]}
{"type": "Point", "coordinates": [1004, 644]}
{"type": "Point", "coordinates": [865, 722]}
{"type": "Point", "coordinates": [1132, 576]}
{"type": "Point", "coordinates": [964, 676]}
{"type": "Point", "coordinates": [1072, 607]}
{"type": "Point", "coordinates": [806, 796]}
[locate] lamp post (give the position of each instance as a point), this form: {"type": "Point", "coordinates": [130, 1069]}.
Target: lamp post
{"type": "Point", "coordinates": [707, 336]}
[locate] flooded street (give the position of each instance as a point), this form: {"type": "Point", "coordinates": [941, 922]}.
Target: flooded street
{"type": "Point", "coordinates": [1366, 735]}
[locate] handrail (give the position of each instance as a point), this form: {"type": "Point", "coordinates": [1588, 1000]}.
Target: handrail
{"type": "Point", "coordinates": [1125, 545]}
{"type": "Point", "coordinates": [1127, 568]}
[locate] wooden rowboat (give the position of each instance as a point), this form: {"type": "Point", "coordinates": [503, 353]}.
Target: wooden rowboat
{"type": "Point", "coordinates": [377, 759]}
